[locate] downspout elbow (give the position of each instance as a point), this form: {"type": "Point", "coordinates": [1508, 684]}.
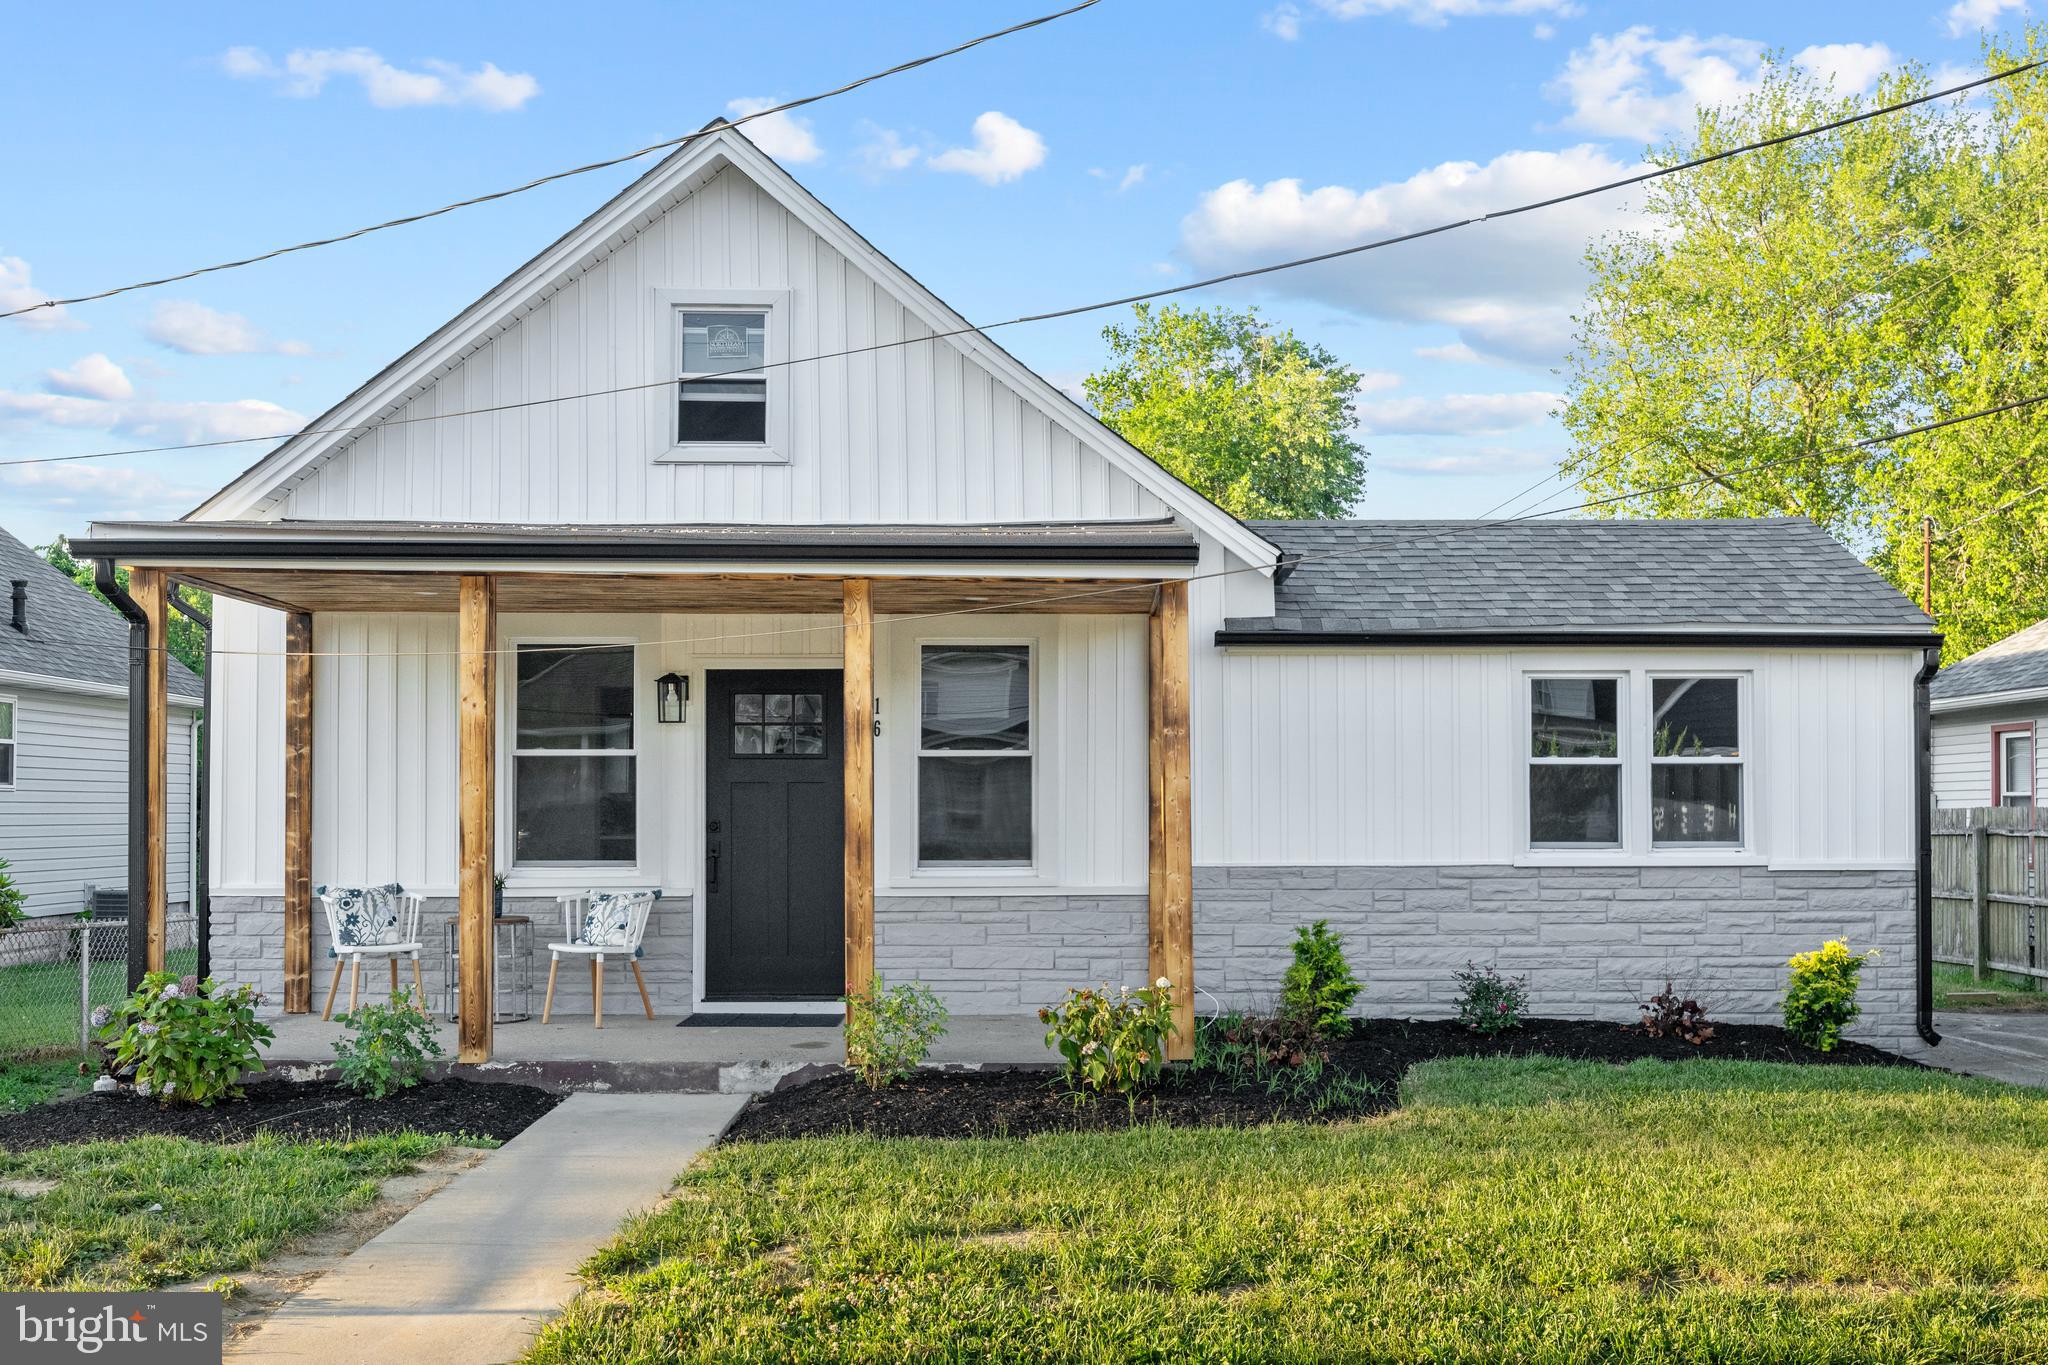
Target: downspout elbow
{"type": "Point", "coordinates": [109, 584]}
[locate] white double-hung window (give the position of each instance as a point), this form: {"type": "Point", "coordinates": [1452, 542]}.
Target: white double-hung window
{"type": "Point", "coordinates": [1695, 763]}
{"type": "Point", "coordinates": [1575, 772]}
{"type": "Point", "coordinates": [974, 756]}
{"type": "Point", "coordinates": [7, 742]}
{"type": "Point", "coordinates": [726, 352]}
{"type": "Point", "coordinates": [574, 764]}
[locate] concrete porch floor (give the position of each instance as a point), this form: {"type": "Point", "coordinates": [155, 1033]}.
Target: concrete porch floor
{"type": "Point", "coordinates": [632, 1052]}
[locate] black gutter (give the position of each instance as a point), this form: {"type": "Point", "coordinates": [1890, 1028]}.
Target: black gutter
{"type": "Point", "coordinates": [1923, 852]}
{"type": "Point", "coordinates": [1720, 639]}
{"type": "Point", "coordinates": [202, 815]}
{"type": "Point", "coordinates": [929, 551]}
{"type": "Point", "coordinates": [139, 873]}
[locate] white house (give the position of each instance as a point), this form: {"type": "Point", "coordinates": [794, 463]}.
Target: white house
{"type": "Point", "coordinates": [1988, 710]}
{"type": "Point", "coordinates": [64, 744]}
{"type": "Point", "coordinates": [978, 694]}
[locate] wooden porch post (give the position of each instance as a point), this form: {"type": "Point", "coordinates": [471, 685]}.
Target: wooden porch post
{"type": "Point", "coordinates": [298, 813]}
{"type": "Point", "coordinates": [477, 743]}
{"type": "Point", "coordinates": [1171, 921]}
{"type": "Point", "coordinates": [148, 588]}
{"type": "Point", "coordinates": [858, 634]}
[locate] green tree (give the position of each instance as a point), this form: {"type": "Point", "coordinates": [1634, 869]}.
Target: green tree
{"type": "Point", "coordinates": [1252, 417]}
{"type": "Point", "coordinates": [188, 641]}
{"type": "Point", "coordinates": [1780, 305]}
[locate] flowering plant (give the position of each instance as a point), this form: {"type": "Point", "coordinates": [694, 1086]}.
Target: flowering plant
{"type": "Point", "coordinates": [890, 1032]}
{"type": "Point", "coordinates": [186, 1040]}
{"type": "Point", "coordinates": [1113, 1041]}
{"type": "Point", "coordinates": [385, 1047]}
{"type": "Point", "coordinates": [1489, 1002]}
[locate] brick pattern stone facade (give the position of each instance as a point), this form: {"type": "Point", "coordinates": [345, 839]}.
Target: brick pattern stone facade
{"type": "Point", "coordinates": [248, 945]}
{"type": "Point", "coordinates": [1592, 941]}
{"type": "Point", "coordinates": [1009, 954]}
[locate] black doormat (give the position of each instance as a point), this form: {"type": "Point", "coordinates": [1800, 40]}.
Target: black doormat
{"type": "Point", "coordinates": [704, 1020]}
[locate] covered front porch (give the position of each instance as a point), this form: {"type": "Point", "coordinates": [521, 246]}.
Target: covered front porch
{"type": "Point", "coordinates": [1010, 941]}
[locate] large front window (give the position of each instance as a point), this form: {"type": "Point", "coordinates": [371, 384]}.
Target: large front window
{"type": "Point", "coordinates": [1574, 762]}
{"type": "Point", "coordinates": [974, 756]}
{"type": "Point", "coordinates": [1695, 762]}
{"type": "Point", "coordinates": [573, 754]}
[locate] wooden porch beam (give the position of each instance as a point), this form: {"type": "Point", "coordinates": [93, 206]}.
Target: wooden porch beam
{"type": "Point", "coordinates": [1171, 876]}
{"type": "Point", "coordinates": [298, 813]}
{"type": "Point", "coordinates": [477, 745]}
{"type": "Point", "coordinates": [858, 635]}
{"type": "Point", "coordinates": [150, 591]}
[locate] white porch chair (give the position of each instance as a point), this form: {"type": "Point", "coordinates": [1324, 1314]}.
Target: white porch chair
{"type": "Point", "coordinates": [371, 921]}
{"type": "Point", "coordinates": [597, 925]}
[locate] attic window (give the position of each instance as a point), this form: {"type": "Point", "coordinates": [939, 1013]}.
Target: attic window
{"type": "Point", "coordinates": [723, 388]}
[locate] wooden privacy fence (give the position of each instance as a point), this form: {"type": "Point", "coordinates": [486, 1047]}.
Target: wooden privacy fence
{"type": "Point", "coordinates": [1990, 875]}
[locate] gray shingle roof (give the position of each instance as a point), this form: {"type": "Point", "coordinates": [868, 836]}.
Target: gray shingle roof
{"type": "Point", "coordinates": [1575, 578]}
{"type": "Point", "coordinates": [2017, 663]}
{"type": "Point", "coordinates": [71, 634]}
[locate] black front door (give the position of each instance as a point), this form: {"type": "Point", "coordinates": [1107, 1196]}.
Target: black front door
{"type": "Point", "coordinates": [774, 843]}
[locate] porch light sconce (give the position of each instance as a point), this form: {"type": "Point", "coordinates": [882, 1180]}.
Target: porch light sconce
{"type": "Point", "coordinates": [672, 698]}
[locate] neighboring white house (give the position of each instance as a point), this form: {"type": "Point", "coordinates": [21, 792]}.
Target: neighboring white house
{"type": "Point", "coordinates": [64, 742]}
{"type": "Point", "coordinates": [1988, 712]}
{"type": "Point", "coordinates": [1595, 753]}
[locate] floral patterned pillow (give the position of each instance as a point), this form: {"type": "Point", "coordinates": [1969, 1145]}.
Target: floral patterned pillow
{"type": "Point", "coordinates": [366, 916]}
{"type": "Point", "coordinates": [608, 922]}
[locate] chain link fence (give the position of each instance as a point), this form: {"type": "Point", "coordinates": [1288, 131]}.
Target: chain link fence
{"type": "Point", "coordinates": [54, 971]}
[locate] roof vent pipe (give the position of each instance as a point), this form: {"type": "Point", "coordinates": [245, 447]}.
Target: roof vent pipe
{"type": "Point", "coordinates": [21, 605]}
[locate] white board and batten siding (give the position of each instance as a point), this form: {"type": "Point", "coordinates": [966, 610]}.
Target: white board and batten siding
{"type": "Point", "coordinates": [64, 823]}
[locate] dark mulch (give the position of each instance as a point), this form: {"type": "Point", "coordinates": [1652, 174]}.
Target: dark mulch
{"type": "Point", "coordinates": [301, 1110]}
{"type": "Point", "coordinates": [1017, 1101]}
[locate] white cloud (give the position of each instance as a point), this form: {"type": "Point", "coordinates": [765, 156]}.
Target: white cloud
{"type": "Point", "coordinates": [305, 72]}
{"type": "Point", "coordinates": [93, 376]}
{"type": "Point", "coordinates": [1456, 413]}
{"type": "Point", "coordinates": [17, 290]}
{"type": "Point", "coordinates": [783, 136]}
{"type": "Point", "coordinates": [1465, 460]}
{"type": "Point", "coordinates": [1456, 353]}
{"type": "Point", "coordinates": [1003, 150]}
{"type": "Point", "coordinates": [1506, 287]}
{"type": "Point", "coordinates": [1132, 175]}
{"type": "Point", "coordinates": [1637, 84]}
{"type": "Point", "coordinates": [194, 329]}
{"type": "Point", "coordinates": [159, 420]}
{"type": "Point", "coordinates": [1436, 13]}
{"type": "Point", "coordinates": [1283, 22]}
{"type": "Point", "coordinates": [1377, 381]}
{"type": "Point", "coordinates": [885, 151]}
{"type": "Point", "coordinates": [1970, 16]}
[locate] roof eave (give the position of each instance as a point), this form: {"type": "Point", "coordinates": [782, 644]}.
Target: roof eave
{"type": "Point", "coordinates": [1732, 637]}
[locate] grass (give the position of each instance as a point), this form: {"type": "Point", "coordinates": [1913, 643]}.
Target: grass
{"type": "Point", "coordinates": [2007, 991]}
{"type": "Point", "coordinates": [154, 1211]}
{"type": "Point", "coordinates": [27, 1082]}
{"type": "Point", "coordinates": [39, 1001]}
{"type": "Point", "coordinates": [1513, 1210]}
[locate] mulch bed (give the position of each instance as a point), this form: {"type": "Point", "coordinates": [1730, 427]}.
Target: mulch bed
{"type": "Point", "coordinates": [299, 1110]}
{"type": "Point", "coordinates": [1016, 1101]}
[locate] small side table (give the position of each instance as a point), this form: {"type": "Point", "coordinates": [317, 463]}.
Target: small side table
{"type": "Point", "coordinates": [512, 968]}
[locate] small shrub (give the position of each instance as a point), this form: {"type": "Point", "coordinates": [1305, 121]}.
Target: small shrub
{"type": "Point", "coordinates": [187, 1041]}
{"type": "Point", "coordinates": [1319, 986]}
{"type": "Point", "coordinates": [1287, 1057]}
{"type": "Point", "coordinates": [13, 900]}
{"type": "Point", "coordinates": [1821, 1000]}
{"type": "Point", "coordinates": [890, 1032]}
{"type": "Point", "coordinates": [385, 1047]}
{"type": "Point", "coordinates": [1666, 1015]}
{"type": "Point", "coordinates": [1489, 1002]}
{"type": "Point", "coordinates": [1113, 1041]}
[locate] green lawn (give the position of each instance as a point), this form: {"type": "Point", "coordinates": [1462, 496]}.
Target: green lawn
{"type": "Point", "coordinates": [39, 1006]}
{"type": "Point", "coordinates": [34, 1082]}
{"type": "Point", "coordinates": [1513, 1210]}
{"type": "Point", "coordinates": [2008, 992]}
{"type": "Point", "coordinates": [224, 1208]}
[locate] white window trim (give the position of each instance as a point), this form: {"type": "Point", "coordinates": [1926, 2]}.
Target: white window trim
{"type": "Point", "coordinates": [1634, 714]}
{"type": "Point", "coordinates": [1743, 729]}
{"type": "Point", "coordinates": [1620, 760]}
{"type": "Point", "coordinates": [665, 351]}
{"type": "Point", "coordinates": [526, 877]}
{"type": "Point", "coordinates": [11, 741]}
{"type": "Point", "coordinates": [974, 873]}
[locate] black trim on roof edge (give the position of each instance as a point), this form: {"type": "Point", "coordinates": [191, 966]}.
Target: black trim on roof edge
{"type": "Point", "coordinates": [644, 551]}
{"type": "Point", "coordinates": [1748, 639]}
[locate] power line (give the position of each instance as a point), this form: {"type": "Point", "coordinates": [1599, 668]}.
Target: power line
{"type": "Point", "coordinates": [1167, 291]}
{"type": "Point", "coordinates": [607, 163]}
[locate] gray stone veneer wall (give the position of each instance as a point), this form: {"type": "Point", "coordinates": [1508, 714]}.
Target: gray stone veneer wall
{"type": "Point", "coordinates": [1009, 954]}
{"type": "Point", "coordinates": [248, 945]}
{"type": "Point", "coordinates": [1592, 941]}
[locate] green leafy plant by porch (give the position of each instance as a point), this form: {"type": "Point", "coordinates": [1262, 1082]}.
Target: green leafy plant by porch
{"type": "Point", "coordinates": [1113, 1040]}
{"type": "Point", "coordinates": [1820, 1000]}
{"type": "Point", "coordinates": [1319, 987]}
{"type": "Point", "coordinates": [186, 1042]}
{"type": "Point", "coordinates": [385, 1047]}
{"type": "Point", "coordinates": [889, 1032]}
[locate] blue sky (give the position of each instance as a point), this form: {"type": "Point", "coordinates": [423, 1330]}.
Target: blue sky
{"type": "Point", "coordinates": [1137, 143]}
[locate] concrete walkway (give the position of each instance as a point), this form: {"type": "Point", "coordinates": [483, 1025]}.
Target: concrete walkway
{"type": "Point", "coordinates": [466, 1277]}
{"type": "Point", "coordinates": [2005, 1047]}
